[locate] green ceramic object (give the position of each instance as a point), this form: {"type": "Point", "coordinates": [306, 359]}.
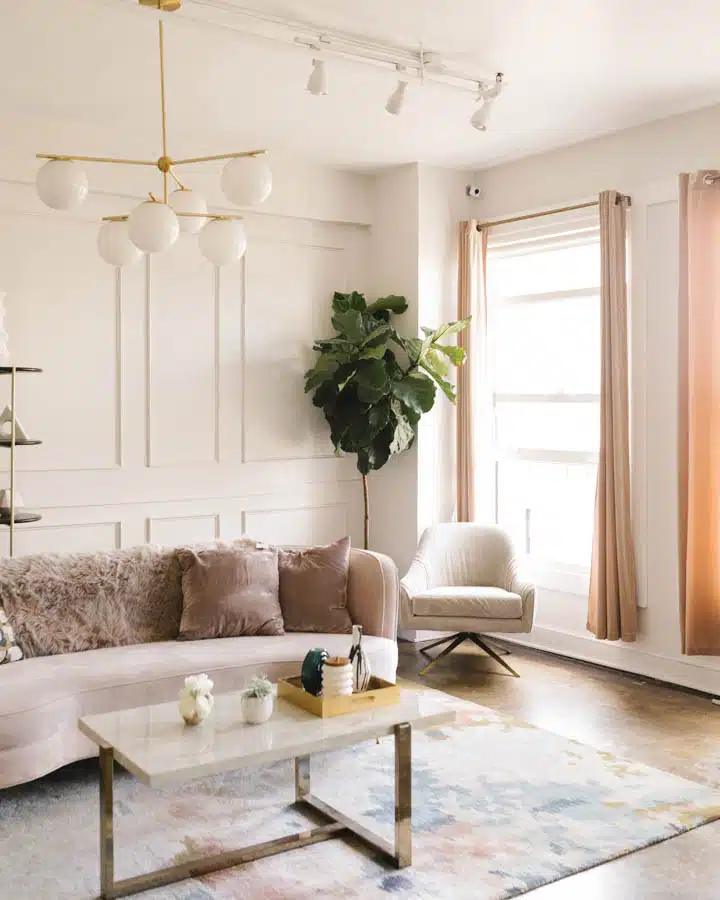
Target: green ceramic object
{"type": "Point", "coordinates": [311, 674]}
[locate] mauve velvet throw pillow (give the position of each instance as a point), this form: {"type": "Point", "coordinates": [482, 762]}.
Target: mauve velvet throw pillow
{"type": "Point", "coordinates": [313, 588]}
{"type": "Point", "coordinates": [229, 591]}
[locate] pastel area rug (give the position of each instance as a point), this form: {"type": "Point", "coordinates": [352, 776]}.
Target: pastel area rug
{"type": "Point", "coordinates": [500, 808]}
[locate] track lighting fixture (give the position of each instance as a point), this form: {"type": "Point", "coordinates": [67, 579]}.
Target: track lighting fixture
{"type": "Point", "coordinates": [396, 100]}
{"type": "Point", "coordinates": [317, 82]}
{"type": "Point", "coordinates": [486, 97]}
{"type": "Point", "coordinates": [479, 118]}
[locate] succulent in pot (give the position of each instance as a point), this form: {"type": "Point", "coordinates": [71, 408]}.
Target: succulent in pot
{"type": "Point", "coordinates": [257, 701]}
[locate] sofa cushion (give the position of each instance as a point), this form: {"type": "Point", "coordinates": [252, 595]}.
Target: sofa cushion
{"type": "Point", "coordinates": [313, 588]}
{"type": "Point", "coordinates": [63, 603]}
{"type": "Point", "coordinates": [230, 590]}
{"type": "Point", "coordinates": [468, 602]}
{"type": "Point", "coordinates": [9, 650]}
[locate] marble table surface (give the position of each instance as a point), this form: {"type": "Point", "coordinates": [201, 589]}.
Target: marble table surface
{"type": "Point", "coordinates": [154, 743]}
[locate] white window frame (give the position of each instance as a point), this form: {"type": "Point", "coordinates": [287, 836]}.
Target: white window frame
{"type": "Point", "coordinates": [551, 574]}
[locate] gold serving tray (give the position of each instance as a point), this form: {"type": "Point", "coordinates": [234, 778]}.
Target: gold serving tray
{"type": "Point", "coordinates": [379, 693]}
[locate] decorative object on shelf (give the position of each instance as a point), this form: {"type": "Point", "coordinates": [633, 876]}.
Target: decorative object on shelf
{"type": "Point", "coordinates": [379, 693]}
{"type": "Point", "coordinates": [155, 224]}
{"type": "Point", "coordinates": [6, 501]}
{"type": "Point", "coordinates": [257, 701]}
{"type": "Point", "coordinates": [371, 402]}
{"type": "Point", "coordinates": [11, 517]}
{"type": "Point", "coordinates": [359, 660]}
{"type": "Point", "coordinates": [337, 677]}
{"type": "Point", "coordinates": [311, 673]}
{"type": "Point", "coordinates": [6, 426]}
{"type": "Point", "coordinates": [196, 700]}
{"type": "Point", "coordinates": [9, 650]}
{"type": "Point", "coordinates": [4, 338]}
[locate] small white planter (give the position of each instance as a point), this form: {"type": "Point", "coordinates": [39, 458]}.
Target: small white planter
{"type": "Point", "coordinates": [256, 710]}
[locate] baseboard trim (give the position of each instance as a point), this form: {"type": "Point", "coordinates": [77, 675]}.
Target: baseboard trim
{"type": "Point", "coordinates": [633, 661]}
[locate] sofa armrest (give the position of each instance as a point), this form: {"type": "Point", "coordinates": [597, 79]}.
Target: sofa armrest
{"type": "Point", "coordinates": [373, 593]}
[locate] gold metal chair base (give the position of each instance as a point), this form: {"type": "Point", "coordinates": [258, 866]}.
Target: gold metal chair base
{"type": "Point", "coordinates": [454, 640]}
{"type": "Point", "coordinates": [399, 851]}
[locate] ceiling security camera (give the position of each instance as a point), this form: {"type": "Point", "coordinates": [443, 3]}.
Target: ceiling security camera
{"type": "Point", "coordinates": [473, 190]}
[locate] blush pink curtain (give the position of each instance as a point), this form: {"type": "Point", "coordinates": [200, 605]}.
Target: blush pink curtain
{"type": "Point", "coordinates": [472, 301]}
{"type": "Point", "coordinates": [699, 413]}
{"type": "Point", "coordinates": [612, 608]}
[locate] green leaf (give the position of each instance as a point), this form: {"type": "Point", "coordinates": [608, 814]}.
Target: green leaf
{"type": "Point", "coordinates": [349, 324]}
{"type": "Point", "coordinates": [324, 369]}
{"type": "Point", "coordinates": [435, 363]}
{"type": "Point", "coordinates": [456, 355]}
{"type": "Point", "coordinates": [412, 346]}
{"type": "Point", "coordinates": [445, 386]}
{"type": "Point", "coordinates": [392, 303]}
{"type": "Point", "coordinates": [404, 434]}
{"type": "Point", "coordinates": [378, 336]}
{"type": "Point", "coordinates": [372, 380]}
{"type": "Point", "coordinates": [450, 328]}
{"type": "Point", "coordinates": [416, 391]}
{"type": "Point", "coordinates": [344, 302]}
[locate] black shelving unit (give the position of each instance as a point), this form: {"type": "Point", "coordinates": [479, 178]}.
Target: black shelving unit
{"type": "Point", "coordinates": [11, 518]}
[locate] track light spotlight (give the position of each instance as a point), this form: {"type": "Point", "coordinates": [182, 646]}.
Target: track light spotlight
{"type": "Point", "coordinates": [486, 98]}
{"type": "Point", "coordinates": [396, 100]}
{"type": "Point", "coordinates": [479, 118]}
{"type": "Point", "coordinates": [317, 82]}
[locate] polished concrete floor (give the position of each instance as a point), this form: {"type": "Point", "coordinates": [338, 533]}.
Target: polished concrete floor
{"type": "Point", "coordinates": [658, 725]}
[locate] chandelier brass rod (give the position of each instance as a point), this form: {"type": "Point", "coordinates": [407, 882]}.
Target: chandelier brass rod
{"type": "Point", "coordinates": [163, 110]}
{"type": "Point", "coordinates": [98, 159]}
{"type": "Point", "coordinates": [200, 159]}
{"type": "Point", "coordinates": [207, 215]}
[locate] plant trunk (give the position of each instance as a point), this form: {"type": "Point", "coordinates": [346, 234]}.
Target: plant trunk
{"type": "Point", "coordinates": [366, 498]}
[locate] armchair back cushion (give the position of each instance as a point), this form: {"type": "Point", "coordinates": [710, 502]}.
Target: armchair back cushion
{"type": "Point", "coordinates": [467, 554]}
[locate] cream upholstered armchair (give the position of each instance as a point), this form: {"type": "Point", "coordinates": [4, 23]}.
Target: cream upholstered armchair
{"type": "Point", "coordinates": [463, 579]}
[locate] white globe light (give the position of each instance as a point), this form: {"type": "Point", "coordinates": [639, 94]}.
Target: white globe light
{"type": "Point", "coordinates": [61, 184]}
{"type": "Point", "coordinates": [247, 180]}
{"type": "Point", "coordinates": [153, 226]}
{"type": "Point", "coordinates": [115, 246]}
{"type": "Point", "coordinates": [186, 201]}
{"type": "Point", "coordinates": [223, 241]}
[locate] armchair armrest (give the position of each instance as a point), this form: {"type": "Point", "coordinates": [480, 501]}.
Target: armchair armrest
{"type": "Point", "coordinates": [526, 591]}
{"type": "Point", "coordinates": [415, 581]}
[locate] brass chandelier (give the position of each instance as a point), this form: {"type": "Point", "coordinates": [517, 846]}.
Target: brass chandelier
{"type": "Point", "coordinates": [156, 224]}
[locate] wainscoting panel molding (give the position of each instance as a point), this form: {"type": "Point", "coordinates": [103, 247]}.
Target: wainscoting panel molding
{"type": "Point", "coordinates": [171, 407]}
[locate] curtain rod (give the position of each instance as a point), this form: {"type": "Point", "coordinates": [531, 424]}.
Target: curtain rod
{"type": "Point", "coordinates": [550, 212]}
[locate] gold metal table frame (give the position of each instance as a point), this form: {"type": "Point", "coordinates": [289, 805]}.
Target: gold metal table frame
{"type": "Point", "coordinates": [399, 851]}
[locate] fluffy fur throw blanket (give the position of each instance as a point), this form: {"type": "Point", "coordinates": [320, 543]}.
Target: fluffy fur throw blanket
{"type": "Point", "coordinates": [82, 601]}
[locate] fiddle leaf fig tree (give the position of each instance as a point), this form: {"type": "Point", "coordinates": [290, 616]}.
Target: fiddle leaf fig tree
{"type": "Point", "coordinates": [373, 385]}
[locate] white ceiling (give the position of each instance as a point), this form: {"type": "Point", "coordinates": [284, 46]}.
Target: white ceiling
{"type": "Point", "coordinates": [574, 69]}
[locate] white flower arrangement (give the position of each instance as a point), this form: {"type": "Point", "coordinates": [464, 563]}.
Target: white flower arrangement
{"type": "Point", "coordinates": [197, 685]}
{"type": "Point", "coordinates": [196, 700]}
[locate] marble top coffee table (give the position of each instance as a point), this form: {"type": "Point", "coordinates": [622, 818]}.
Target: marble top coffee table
{"type": "Point", "coordinates": [155, 745]}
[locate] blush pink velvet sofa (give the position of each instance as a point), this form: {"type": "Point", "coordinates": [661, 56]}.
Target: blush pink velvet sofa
{"type": "Point", "coordinates": [41, 698]}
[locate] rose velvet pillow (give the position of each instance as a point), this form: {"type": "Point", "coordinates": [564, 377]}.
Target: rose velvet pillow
{"type": "Point", "coordinates": [313, 588]}
{"type": "Point", "coordinates": [229, 591]}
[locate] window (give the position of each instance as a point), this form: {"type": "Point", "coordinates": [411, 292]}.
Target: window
{"type": "Point", "coordinates": [544, 354]}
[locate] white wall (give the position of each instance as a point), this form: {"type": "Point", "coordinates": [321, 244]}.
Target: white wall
{"type": "Point", "coordinates": [393, 490]}
{"type": "Point", "coordinates": [171, 406]}
{"type": "Point", "coordinates": [643, 162]}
